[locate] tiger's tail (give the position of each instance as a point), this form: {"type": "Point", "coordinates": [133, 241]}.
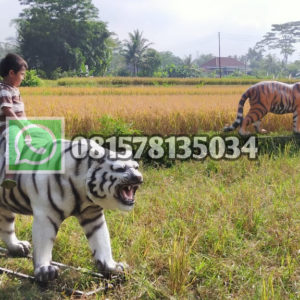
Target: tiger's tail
{"type": "Point", "coordinates": [239, 118]}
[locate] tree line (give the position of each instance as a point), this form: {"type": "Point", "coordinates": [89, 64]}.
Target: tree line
{"type": "Point", "coordinates": [67, 38]}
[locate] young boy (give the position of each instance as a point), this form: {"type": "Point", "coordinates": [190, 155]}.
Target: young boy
{"type": "Point", "coordinates": [12, 70]}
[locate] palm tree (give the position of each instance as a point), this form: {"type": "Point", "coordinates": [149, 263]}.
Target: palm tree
{"type": "Point", "coordinates": [134, 49]}
{"type": "Point", "coordinates": [188, 61]}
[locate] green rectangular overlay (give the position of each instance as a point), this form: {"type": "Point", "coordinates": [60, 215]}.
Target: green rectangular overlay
{"type": "Point", "coordinates": [34, 145]}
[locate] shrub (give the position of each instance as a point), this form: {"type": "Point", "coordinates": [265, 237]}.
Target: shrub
{"type": "Point", "coordinates": [111, 126]}
{"type": "Point", "coordinates": [31, 79]}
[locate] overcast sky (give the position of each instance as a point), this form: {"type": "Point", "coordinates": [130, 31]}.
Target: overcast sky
{"type": "Point", "coordinates": [185, 26]}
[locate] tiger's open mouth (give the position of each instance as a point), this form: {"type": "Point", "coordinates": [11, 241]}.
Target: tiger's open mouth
{"type": "Point", "coordinates": [126, 193]}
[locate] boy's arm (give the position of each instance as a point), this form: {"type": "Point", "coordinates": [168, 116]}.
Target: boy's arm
{"type": "Point", "coordinates": [6, 105]}
{"type": "Point", "coordinates": [8, 112]}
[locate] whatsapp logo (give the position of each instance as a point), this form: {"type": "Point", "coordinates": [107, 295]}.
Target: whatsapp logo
{"type": "Point", "coordinates": [34, 145]}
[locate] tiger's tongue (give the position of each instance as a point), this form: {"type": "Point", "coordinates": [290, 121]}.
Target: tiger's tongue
{"type": "Point", "coordinates": [127, 193]}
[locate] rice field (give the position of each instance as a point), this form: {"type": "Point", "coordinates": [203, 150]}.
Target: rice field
{"type": "Point", "coordinates": [151, 110]}
{"type": "Point", "coordinates": [200, 229]}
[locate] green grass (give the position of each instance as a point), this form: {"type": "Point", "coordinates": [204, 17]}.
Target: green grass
{"type": "Point", "coordinates": [120, 81]}
{"type": "Point", "coordinates": [200, 230]}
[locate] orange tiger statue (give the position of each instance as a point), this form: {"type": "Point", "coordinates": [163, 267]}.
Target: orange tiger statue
{"type": "Point", "coordinates": [268, 96]}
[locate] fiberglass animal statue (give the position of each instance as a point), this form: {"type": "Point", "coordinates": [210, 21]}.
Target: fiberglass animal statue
{"type": "Point", "coordinates": [87, 187]}
{"type": "Point", "coordinates": [268, 96]}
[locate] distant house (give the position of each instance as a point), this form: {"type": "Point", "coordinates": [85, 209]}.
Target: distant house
{"type": "Point", "coordinates": [228, 65]}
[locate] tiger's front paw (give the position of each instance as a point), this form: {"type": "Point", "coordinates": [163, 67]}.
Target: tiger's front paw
{"type": "Point", "coordinates": [46, 273]}
{"type": "Point", "coordinates": [21, 248]}
{"type": "Point", "coordinates": [112, 268]}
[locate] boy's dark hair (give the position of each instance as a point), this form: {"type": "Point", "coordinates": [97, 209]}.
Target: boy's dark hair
{"type": "Point", "coordinates": [12, 62]}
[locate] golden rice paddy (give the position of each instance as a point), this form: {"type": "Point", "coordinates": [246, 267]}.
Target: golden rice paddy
{"type": "Point", "coordinates": [150, 109]}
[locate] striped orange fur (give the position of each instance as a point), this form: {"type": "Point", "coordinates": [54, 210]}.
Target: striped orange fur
{"type": "Point", "coordinates": [268, 96]}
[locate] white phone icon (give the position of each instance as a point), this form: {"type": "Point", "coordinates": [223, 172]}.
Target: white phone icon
{"type": "Point", "coordinates": [28, 141]}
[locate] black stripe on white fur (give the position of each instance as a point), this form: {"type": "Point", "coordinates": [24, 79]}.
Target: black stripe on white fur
{"type": "Point", "coordinates": [59, 211]}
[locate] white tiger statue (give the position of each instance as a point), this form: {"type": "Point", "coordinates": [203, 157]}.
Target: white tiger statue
{"type": "Point", "coordinates": [86, 188]}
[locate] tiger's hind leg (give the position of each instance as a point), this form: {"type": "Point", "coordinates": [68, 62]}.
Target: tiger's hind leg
{"type": "Point", "coordinates": [257, 127]}
{"type": "Point", "coordinates": [254, 116]}
{"type": "Point", "coordinates": [7, 234]}
{"type": "Point", "coordinates": [296, 122]}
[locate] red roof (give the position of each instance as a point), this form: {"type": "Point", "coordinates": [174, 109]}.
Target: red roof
{"type": "Point", "coordinates": [225, 62]}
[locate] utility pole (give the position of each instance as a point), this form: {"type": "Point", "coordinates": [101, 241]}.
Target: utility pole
{"type": "Point", "coordinates": [220, 56]}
